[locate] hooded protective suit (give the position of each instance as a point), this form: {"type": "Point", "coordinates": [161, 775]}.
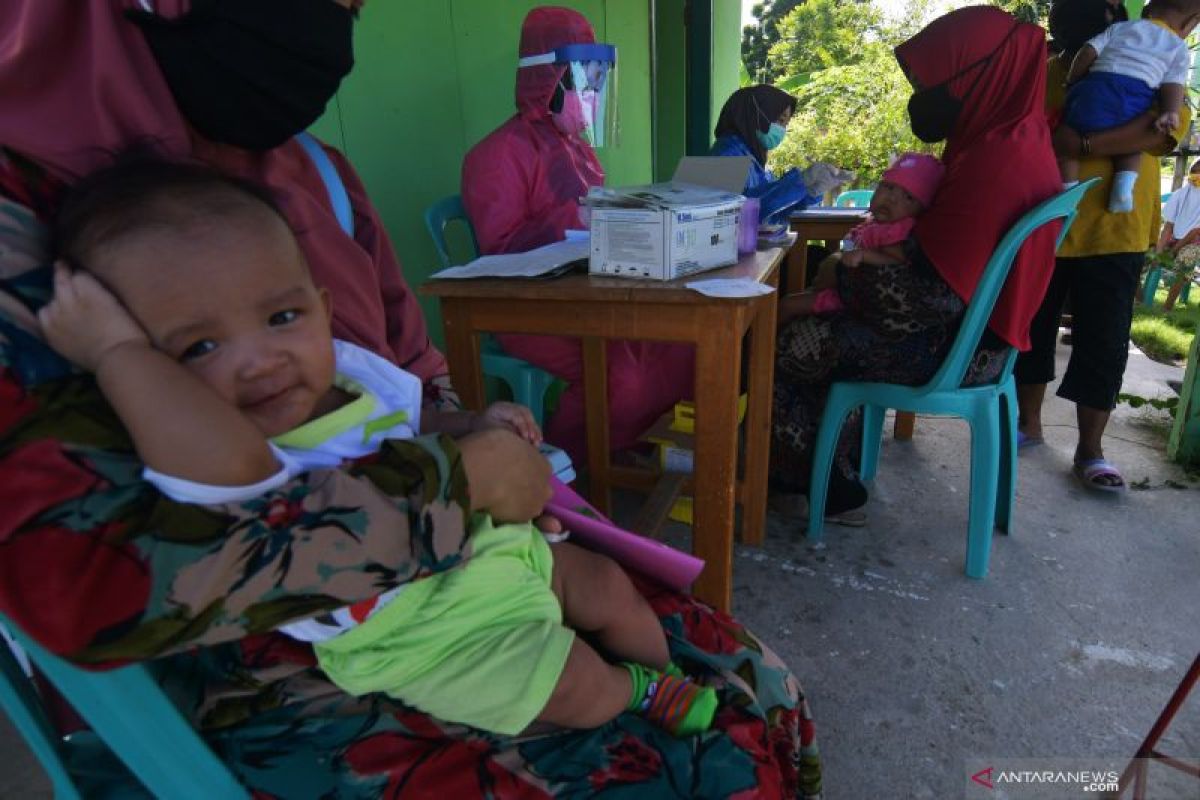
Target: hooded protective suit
{"type": "Point", "coordinates": [521, 186]}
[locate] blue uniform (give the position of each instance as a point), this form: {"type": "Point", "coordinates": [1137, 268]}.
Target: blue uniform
{"type": "Point", "coordinates": [776, 195]}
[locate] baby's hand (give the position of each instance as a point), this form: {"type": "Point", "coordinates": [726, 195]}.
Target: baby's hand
{"type": "Point", "coordinates": [512, 417]}
{"type": "Point", "coordinates": [84, 321]}
{"type": "Point", "coordinates": [1167, 122]}
{"type": "Point", "coordinates": [852, 258]}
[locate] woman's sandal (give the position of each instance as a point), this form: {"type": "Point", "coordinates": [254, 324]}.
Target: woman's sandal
{"type": "Point", "coordinates": [1025, 442]}
{"type": "Point", "coordinates": [1090, 470]}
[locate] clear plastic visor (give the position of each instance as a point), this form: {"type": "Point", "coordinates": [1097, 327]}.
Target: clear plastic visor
{"type": "Point", "coordinates": [592, 76]}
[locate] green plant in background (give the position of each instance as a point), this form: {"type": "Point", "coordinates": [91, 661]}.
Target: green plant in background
{"type": "Point", "coordinates": [854, 116]}
{"type": "Point", "coordinates": [836, 57]}
{"type": "Point", "coordinates": [1165, 335]}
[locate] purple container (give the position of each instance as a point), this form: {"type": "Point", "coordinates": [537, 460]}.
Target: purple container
{"type": "Point", "coordinates": [748, 226]}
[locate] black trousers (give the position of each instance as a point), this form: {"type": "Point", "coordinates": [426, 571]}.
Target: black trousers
{"type": "Point", "coordinates": [1101, 290]}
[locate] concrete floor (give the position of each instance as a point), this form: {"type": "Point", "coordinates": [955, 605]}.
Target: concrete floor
{"type": "Point", "coordinates": [919, 677]}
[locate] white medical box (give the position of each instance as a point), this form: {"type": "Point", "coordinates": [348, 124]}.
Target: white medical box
{"type": "Point", "coordinates": [662, 231]}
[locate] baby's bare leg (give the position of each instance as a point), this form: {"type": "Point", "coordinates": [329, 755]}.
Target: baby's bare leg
{"type": "Point", "coordinates": [1127, 162]}
{"type": "Point", "coordinates": [1068, 168]}
{"type": "Point", "coordinates": [598, 598]}
{"type": "Point", "coordinates": [590, 691]}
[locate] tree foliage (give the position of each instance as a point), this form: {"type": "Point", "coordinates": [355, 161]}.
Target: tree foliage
{"type": "Point", "coordinates": [758, 38]}
{"type": "Point", "coordinates": [854, 116]}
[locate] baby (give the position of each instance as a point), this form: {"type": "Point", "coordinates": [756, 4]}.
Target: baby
{"type": "Point", "coordinates": [1115, 76]}
{"type": "Point", "coordinates": [905, 189]}
{"type": "Point", "coordinates": [190, 300]}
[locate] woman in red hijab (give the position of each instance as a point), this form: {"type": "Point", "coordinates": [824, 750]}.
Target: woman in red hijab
{"type": "Point", "coordinates": [978, 77]}
{"type": "Point", "coordinates": [521, 187]}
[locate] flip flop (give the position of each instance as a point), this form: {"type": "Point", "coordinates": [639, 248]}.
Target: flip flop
{"type": "Point", "coordinates": [1088, 471]}
{"type": "Point", "coordinates": [1025, 442]}
{"type": "Point", "coordinates": [854, 518]}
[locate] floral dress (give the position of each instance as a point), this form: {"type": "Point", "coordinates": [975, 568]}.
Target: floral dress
{"type": "Point", "coordinates": [897, 325]}
{"type": "Point", "coordinates": [103, 570]}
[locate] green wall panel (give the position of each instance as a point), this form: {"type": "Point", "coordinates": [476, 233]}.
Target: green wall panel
{"type": "Point", "coordinates": [670, 86]}
{"type": "Point", "coordinates": [726, 53]}
{"type": "Point", "coordinates": [432, 79]}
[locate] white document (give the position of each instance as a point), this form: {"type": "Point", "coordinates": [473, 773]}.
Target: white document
{"type": "Point", "coordinates": [521, 265]}
{"type": "Point", "coordinates": [730, 287]}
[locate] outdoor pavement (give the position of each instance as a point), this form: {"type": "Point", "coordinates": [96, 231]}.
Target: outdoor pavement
{"type": "Point", "coordinates": [919, 677]}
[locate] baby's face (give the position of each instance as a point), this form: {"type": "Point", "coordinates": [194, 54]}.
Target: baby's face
{"type": "Point", "coordinates": [233, 301]}
{"type": "Point", "coordinates": [891, 203]}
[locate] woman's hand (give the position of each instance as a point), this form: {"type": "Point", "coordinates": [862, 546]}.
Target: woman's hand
{"type": "Point", "coordinates": [506, 476]}
{"type": "Point", "coordinates": [851, 258]}
{"type": "Point", "coordinates": [509, 416]}
{"type": "Point", "coordinates": [85, 322]}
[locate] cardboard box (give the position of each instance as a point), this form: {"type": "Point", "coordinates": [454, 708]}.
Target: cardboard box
{"type": "Point", "coordinates": [674, 436]}
{"type": "Point", "coordinates": [662, 231]}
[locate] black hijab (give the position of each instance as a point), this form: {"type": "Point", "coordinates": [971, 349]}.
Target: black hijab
{"type": "Point", "coordinates": [750, 110]}
{"type": "Point", "coordinates": [1073, 22]}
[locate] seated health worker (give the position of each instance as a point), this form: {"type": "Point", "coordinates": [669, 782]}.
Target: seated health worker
{"type": "Point", "coordinates": [753, 121]}
{"type": "Point", "coordinates": [521, 187]}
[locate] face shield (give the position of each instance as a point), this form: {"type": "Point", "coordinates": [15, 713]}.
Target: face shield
{"type": "Point", "coordinates": [591, 76]}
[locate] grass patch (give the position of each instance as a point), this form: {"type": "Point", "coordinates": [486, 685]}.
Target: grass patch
{"type": "Point", "coordinates": [1166, 335]}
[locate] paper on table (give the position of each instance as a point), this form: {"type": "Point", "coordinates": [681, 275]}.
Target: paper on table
{"type": "Point", "coordinates": [730, 287]}
{"type": "Point", "coordinates": [521, 265]}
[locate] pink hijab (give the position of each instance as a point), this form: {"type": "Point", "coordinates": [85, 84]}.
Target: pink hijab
{"type": "Point", "coordinates": [79, 83]}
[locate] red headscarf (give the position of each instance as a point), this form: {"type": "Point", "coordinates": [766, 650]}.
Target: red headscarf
{"type": "Point", "coordinates": [999, 162]}
{"type": "Point", "coordinates": [79, 84]}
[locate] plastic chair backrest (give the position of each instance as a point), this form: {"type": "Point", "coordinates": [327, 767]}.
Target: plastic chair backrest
{"type": "Point", "coordinates": [129, 711]}
{"type": "Point", "coordinates": [1062, 206]}
{"type": "Point", "coordinates": [854, 198]}
{"type": "Point", "coordinates": [437, 216]}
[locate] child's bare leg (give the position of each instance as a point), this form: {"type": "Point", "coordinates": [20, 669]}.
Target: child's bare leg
{"type": "Point", "coordinates": [590, 691]}
{"type": "Point", "coordinates": [1125, 174]}
{"type": "Point", "coordinates": [1069, 169]}
{"type": "Point", "coordinates": [598, 598]}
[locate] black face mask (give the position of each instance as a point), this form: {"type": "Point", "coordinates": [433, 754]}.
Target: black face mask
{"type": "Point", "coordinates": [932, 112]}
{"type": "Point", "coordinates": [252, 74]}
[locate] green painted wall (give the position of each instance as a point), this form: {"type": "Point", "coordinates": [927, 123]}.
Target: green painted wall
{"type": "Point", "coordinates": [726, 53]}
{"type": "Point", "coordinates": [432, 79]}
{"type": "Point", "coordinates": [670, 86]}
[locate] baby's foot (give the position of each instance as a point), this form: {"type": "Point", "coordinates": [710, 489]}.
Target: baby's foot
{"type": "Point", "coordinates": [681, 707]}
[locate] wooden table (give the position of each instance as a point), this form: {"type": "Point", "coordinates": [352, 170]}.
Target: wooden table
{"type": "Point", "coordinates": [595, 309]}
{"type": "Point", "coordinates": [830, 226]}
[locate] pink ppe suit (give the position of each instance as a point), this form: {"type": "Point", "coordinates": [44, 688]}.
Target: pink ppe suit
{"type": "Point", "coordinates": [521, 187]}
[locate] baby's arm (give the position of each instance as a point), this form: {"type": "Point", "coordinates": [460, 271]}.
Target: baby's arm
{"type": "Point", "coordinates": [180, 426]}
{"type": "Point", "coordinates": [508, 416]}
{"type": "Point", "coordinates": [1081, 63]}
{"type": "Point", "coordinates": [1170, 100]}
{"type": "Point", "coordinates": [887, 254]}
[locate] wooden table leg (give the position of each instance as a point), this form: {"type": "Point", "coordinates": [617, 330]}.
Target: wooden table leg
{"type": "Point", "coordinates": [903, 428]}
{"type": "Point", "coordinates": [795, 267]}
{"type": "Point", "coordinates": [718, 369]}
{"type": "Point", "coordinates": [758, 420]}
{"type": "Point", "coordinates": [595, 389]}
{"type": "Point", "coordinates": [462, 351]}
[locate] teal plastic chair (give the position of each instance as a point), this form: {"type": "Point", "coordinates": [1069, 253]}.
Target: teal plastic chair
{"type": "Point", "coordinates": [854, 198]}
{"type": "Point", "coordinates": [991, 410]}
{"type": "Point", "coordinates": [130, 717]}
{"type": "Point", "coordinates": [1153, 278]}
{"type": "Point", "coordinates": [527, 383]}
